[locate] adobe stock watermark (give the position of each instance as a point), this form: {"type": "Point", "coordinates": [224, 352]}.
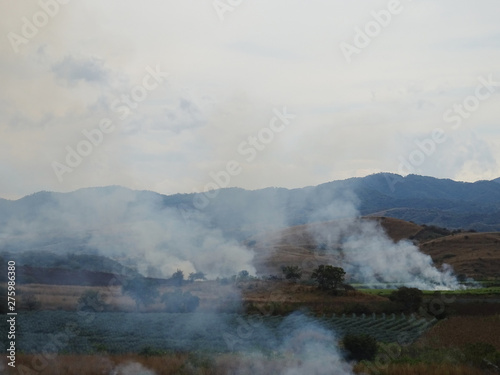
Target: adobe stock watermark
{"type": "Point", "coordinates": [249, 150]}
{"type": "Point", "coordinates": [221, 7]}
{"type": "Point", "coordinates": [30, 27]}
{"type": "Point", "coordinates": [455, 115]}
{"type": "Point", "coordinates": [364, 36]}
{"type": "Point", "coordinates": [122, 107]}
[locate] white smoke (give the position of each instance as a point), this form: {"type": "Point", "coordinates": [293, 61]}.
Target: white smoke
{"type": "Point", "coordinates": [132, 227]}
{"type": "Point", "coordinates": [369, 256]}
{"type": "Point", "coordinates": [302, 347]}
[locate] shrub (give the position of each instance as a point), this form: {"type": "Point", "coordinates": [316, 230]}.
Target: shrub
{"type": "Point", "coordinates": [328, 277]}
{"type": "Point", "coordinates": [243, 275]}
{"type": "Point", "coordinates": [177, 278]}
{"type": "Point", "coordinates": [360, 347]}
{"type": "Point", "coordinates": [292, 273]}
{"type": "Point", "coordinates": [481, 354]}
{"type": "Point", "coordinates": [196, 276]}
{"type": "Point", "coordinates": [409, 298]}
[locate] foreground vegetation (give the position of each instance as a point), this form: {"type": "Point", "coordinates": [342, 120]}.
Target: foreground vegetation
{"type": "Point", "coordinates": [196, 363]}
{"type": "Point", "coordinates": [242, 322]}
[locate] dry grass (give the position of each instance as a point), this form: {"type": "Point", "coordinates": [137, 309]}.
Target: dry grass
{"type": "Point", "coordinates": [171, 364]}
{"type": "Point", "coordinates": [422, 369]}
{"type": "Point", "coordinates": [213, 296]}
{"type": "Point", "coordinates": [458, 331]}
{"type": "Point", "coordinates": [188, 364]}
{"type": "Point", "coordinates": [284, 291]}
{"type": "Point", "coordinates": [65, 297]}
{"type": "Point", "coordinates": [398, 229]}
{"type": "Point", "coordinates": [475, 254]}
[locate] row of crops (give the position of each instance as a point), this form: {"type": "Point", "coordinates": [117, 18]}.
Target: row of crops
{"type": "Point", "coordinates": [390, 328]}
{"type": "Point", "coordinates": [70, 332]}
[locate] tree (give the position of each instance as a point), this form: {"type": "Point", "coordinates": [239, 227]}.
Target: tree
{"type": "Point", "coordinates": [141, 290]}
{"type": "Point", "coordinates": [328, 277]}
{"type": "Point", "coordinates": [293, 273]}
{"type": "Point", "coordinates": [243, 275]}
{"type": "Point", "coordinates": [409, 298]}
{"type": "Point", "coordinates": [177, 277]}
{"type": "Point", "coordinates": [196, 276]}
{"type": "Point", "coordinates": [360, 347]}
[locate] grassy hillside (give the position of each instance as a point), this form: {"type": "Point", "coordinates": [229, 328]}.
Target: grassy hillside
{"type": "Point", "coordinates": [476, 255]}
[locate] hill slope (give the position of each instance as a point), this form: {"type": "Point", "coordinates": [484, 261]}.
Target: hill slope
{"type": "Point", "coordinates": [475, 255]}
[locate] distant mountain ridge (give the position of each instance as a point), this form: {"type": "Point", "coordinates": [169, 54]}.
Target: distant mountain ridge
{"type": "Point", "coordinates": [241, 213]}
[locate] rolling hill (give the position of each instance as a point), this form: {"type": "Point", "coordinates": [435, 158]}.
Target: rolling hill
{"type": "Point", "coordinates": [475, 255]}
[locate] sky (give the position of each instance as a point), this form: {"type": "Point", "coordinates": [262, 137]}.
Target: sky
{"type": "Point", "coordinates": [185, 96]}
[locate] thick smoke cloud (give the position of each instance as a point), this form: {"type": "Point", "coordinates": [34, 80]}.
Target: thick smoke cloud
{"type": "Point", "coordinates": [370, 257]}
{"type": "Point", "coordinates": [317, 351]}
{"type": "Point", "coordinates": [299, 346]}
{"type": "Point", "coordinates": [139, 228]}
{"type": "Point", "coordinates": [133, 227]}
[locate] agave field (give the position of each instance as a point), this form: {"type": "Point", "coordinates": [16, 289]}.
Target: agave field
{"type": "Point", "coordinates": [71, 332]}
{"type": "Point", "coordinates": [390, 328]}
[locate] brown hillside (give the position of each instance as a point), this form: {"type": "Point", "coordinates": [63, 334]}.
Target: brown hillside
{"type": "Point", "coordinates": [297, 245]}
{"type": "Point", "coordinates": [476, 255]}
{"type": "Point", "coordinates": [398, 229]}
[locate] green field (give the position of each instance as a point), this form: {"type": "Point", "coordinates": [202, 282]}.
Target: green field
{"type": "Point", "coordinates": [134, 332]}
{"type": "Point", "coordinates": [491, 290]}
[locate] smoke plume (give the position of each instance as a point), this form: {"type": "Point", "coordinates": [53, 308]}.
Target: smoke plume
{"type": "Point", "coordinates": [132, 227]}
{"type": "Point", "coordinates": [370, 257]}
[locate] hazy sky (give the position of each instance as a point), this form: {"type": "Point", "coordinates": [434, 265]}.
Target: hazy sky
{"type": "Point", "coordinates": [162, 94]}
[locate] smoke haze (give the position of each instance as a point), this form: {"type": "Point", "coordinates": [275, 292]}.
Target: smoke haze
{"type": "Point", "coordinates": [369, 256]}
{"type": "Point", "coordinates": [128, 226]}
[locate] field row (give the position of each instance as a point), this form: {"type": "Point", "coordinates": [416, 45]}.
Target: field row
{"type": "Point", "coordinates": [70, 332]}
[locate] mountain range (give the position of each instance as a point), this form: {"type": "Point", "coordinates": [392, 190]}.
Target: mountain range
{"type": "Point", "coordinates": [241, 213]}
{"type": "Point", "coordinates": [118, 230]}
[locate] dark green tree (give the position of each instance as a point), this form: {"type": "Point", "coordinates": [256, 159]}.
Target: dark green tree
{"type": "Point", "coordinates": [177, 278]}
{"type": "Point", "coordinates": [292, 273]}
{"type": "Point", "coordinates": [196, 276]}
{"type": "Point", "coordinates": [360, 347]}
{"type": "Point", "coordinates": [328, 277]}
{"type": "Point", "coordinates": [409, 298]}
{"type": "Point", "coordinates": [243, 275]}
